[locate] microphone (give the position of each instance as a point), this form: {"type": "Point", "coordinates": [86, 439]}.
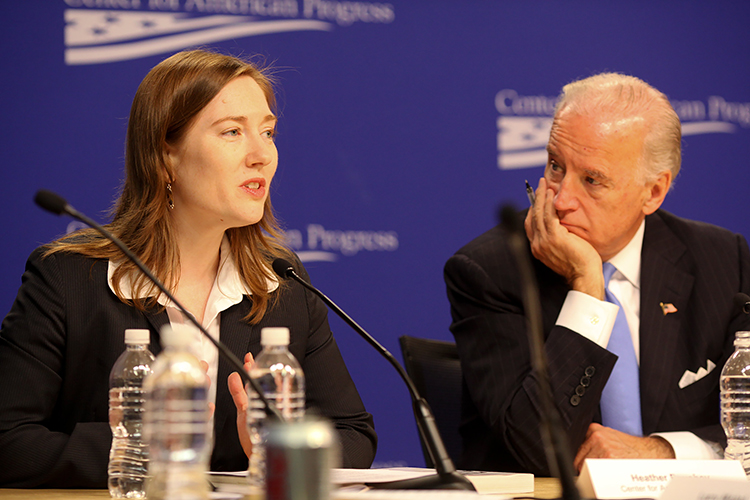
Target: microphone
{"type": "Point", "coordinates": [447, 478]}
{"type": "Point", "coordinates": [52, 202]}
{"type": "Point", "coordinates": [556, 443]}
{"type": "Point", "coordinates": [742, 302]}
{"type": "Point", "coordinates": [56, 204]}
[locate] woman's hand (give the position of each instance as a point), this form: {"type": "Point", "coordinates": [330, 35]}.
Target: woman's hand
{"type": "Point", "coordinates": [239, 396]}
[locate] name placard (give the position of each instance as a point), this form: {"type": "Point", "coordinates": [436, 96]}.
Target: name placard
{"type": "Point", "coordinates": [698, 488]}
{"type": "Point", "coordinates": [614, 478]}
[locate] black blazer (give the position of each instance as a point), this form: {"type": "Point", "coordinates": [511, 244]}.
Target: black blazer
{"type": "Point", "coordinates": [65, 331]}
{"type": "Point", "coordinates": [697, 267]}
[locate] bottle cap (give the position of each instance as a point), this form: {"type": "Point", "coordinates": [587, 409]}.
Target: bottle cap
{"type": "Point", "coordinates": [177, 335]}
{"type": "Point", "coordinates": [274, 336]}
{"type": "Point", "coordinates": [742, 339]}
{"type": "Point", "coordinates": [139, 336]}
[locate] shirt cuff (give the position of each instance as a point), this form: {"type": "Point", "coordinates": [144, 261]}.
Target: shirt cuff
{"type": "Point", "coordinates": [588, 316]}
{"type": "Point", "coordinates": [688, 446]}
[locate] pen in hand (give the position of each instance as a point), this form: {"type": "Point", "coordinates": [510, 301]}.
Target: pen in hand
{"type": "Point", "coordinates": [530, 193]}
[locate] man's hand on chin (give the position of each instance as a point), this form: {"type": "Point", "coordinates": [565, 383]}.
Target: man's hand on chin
{"type": "Point", "coordinates": [568, 255]}
{"type": "Point", "coordinates": [605, 442]}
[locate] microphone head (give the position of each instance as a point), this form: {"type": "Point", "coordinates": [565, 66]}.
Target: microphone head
{"type": "Point", "coordinates": [510, 220]}
{"type": "Point", "coordinates": [742, 302]}
{"type": "Point", "coordinates": [283, 268]}
{"type": "Point", "coordinates": [51, 202]}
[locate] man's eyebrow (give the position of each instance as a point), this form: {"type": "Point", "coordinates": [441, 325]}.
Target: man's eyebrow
{"type": "Point", "coordinates": [595, 174]}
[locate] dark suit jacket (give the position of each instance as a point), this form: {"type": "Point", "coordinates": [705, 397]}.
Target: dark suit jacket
{"type": "Point", "coordinates": [695, 266]}
{"type": "Point", "coordinates": [65, 331]}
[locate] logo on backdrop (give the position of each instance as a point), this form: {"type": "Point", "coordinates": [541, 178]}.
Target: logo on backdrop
{"type": "Point", "coordinates": [318, 244]}
{"type": "Point", "coordinates": [141, 28]}
{"type": "Point", "coordinates": [525, 121]}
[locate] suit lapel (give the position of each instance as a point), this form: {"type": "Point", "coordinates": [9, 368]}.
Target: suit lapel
{"type": "Point", "coordinates": [157, 317]}
{"type": "Point", "coordinates": [237, 335]}
{"type": "Point", "coordinates": [663, 281]}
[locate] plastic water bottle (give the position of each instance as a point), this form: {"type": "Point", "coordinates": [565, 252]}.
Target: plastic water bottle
{"type": "Point", "coordinates": [177, 420]}
{"type": "Point", "coordinates": [735, 401]}
{"type": "Point", "coordinates": [280, 377]}
{"type": "Point", "coordinates": [128, 457]}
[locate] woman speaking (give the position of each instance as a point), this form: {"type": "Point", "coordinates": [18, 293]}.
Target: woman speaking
{"type": "Point", "coordinates": [195, 208]}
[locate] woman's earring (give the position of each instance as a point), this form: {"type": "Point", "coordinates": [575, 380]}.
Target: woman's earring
{"type": "Point", "coordinates": [170, 201]}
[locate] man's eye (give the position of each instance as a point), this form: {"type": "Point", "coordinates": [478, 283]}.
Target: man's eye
{"type": "Point", "coordinates": [271, 134]}
{"type": "Point", "coordinates": [592, 181]}
{"type": "Point", "coordinates": [233, 132]}
{"type": "Point", "coordinates": [555, 168]}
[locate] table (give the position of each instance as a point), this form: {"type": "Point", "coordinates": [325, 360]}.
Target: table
{"type": "Point", "coordinates": [545, 488]}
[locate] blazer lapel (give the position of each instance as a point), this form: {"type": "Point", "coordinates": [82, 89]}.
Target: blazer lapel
{"type": "Point", "coordinates": [157, 317]}
{"type": "Point", "coordinates": [663, 281]}
{"type": "Point", "coordinates": [237, 335]}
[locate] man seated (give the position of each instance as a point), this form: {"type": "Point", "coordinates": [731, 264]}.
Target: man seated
{"type": "Point", "coordinates": [633, 297]}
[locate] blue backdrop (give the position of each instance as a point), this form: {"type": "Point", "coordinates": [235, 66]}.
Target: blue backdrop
{"type": "Point", "coordinates": [403, 126]}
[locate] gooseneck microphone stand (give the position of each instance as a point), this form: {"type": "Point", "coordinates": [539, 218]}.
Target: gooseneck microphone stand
{"type": "Point", "coordinates": [555, 440]}
{"type": "Point", "coordinates": [57, 205]}
{"type": "Point", "coordinates": [447, 477]}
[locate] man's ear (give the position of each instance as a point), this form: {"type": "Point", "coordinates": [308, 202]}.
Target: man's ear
{"type": "Point", "coordinates": [656, 192]}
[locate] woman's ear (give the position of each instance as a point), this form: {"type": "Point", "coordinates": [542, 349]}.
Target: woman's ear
{"type": "Point", "coordinates": [170, 160]}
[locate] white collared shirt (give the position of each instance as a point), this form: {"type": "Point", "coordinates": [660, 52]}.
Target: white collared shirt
{"type": "Point", "coordinates": [227, 291]}
{"type": "Point", "coordinates": [595, 318]}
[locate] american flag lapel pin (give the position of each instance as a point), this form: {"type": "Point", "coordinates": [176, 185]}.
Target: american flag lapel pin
{"type": "Point", "coordinates": [667, 308]}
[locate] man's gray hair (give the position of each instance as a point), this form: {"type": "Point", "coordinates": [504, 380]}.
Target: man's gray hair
{"type": "Point", "coordinates": [628, 96]}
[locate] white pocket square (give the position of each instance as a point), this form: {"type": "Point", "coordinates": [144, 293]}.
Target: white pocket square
{"type": "Point", "coordinates": [690, 378]}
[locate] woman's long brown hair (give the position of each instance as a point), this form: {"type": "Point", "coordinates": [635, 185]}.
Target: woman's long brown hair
{"type": "Point", "coordinates": [165, 105]}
